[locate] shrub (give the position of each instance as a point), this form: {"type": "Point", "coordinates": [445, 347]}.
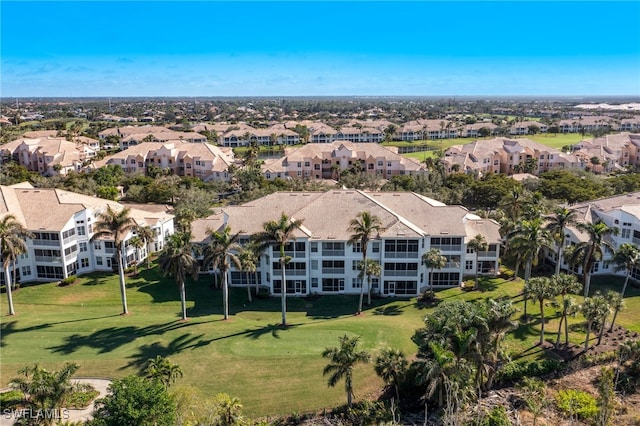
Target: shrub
{"type": "Point", "coordinates": [496, 417]}
{"type": "Point", "coordinates": [514, 371]}
{"type": "Point", "coordinates": [364, 413]}
{"type": "Point", "coordinates": [69, 280]}
{"type": "Point", "coordinates": [82, 396]}
{"type": "Point", "coordinates": [11, 400]}
{"type": "Point", "coordinates": [573, 402]}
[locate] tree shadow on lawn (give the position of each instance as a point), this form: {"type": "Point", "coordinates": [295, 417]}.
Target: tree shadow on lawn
{"type": "Point", "coordinates": [9, 328]}
{"type": "Point", "coordinates": [111, 338]}
{"type": "Point", "coordinates": [183, 342]}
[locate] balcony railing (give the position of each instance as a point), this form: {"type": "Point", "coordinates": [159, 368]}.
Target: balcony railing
{"type": "Point", "coordinates": [401, 254]}
{"type": "Point", "coordinates": [297, 254]}
{"type": "Point", "coordinates": [56, 259]}
{"type": "Point", "coordinates": [333, 252]}
{"type": "Point", "coordinates": [46, 243]}
{"type": "Point", "coordinates": [447, 247]}
{"type": "Point", "coordinates": [292, 272]}
{"type": "Point", "coordinates": [448, 265]}
{"type": "Point", "coordinates": [487, 254]}
{"type": "Point", "coordinates": [333, 270]}
{"type": "Point", "coordinates": [401, 273]}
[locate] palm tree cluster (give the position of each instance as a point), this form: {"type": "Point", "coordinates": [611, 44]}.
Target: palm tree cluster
{"type": "Point", "coordinates": [45, 390]}
{"type": "Point", "coordinates": [12, 244]}
{"type": "Point", "coordinates": [461, 342]}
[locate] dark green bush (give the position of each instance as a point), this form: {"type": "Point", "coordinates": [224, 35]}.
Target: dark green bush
{"type": "Point", "coordinates": [69, 280]}
{"type": "Point", "coordinates": [515, 371]}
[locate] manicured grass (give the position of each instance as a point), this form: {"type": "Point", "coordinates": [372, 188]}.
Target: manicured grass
{"type": "Point", "coordinates": [272, 370]}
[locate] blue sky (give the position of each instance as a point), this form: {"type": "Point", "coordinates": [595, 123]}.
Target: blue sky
{"type": "Point", "coordinates": [215, 48]}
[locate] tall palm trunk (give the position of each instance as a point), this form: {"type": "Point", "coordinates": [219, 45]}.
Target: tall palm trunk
{"type": "Point", "coordinates": [559, 261]}
{"type": "Point", "coordinates": [541, 321]}
{"type": "Point", "coordinates": [624, 288]}
{"type": "Point", "coordinates": [566, 330]}
{"type": "Point", "coordinates": [527, 276]}
{"type": "Point", "coordinates": [256, 277]}
{"type": "Point", "coordinates": [586, 340]}
{"type": "Point", "coordinates": [364, 276]}
{"type": "Point", "coordinates": [7, 281]}
{"type": "Point", "coordinates": [562, 318]}
{"type": "Point", "coordinates": [123, 288]}
{"type": "Point", "coordinates": [369, 290]}
{"type": "Point", "coordinates": [146, 243]}
{"type": "Point", "coordinates": [283, 288]}
{"type": "Point", "coordinates": [183, 300]}
{"type": "Point", "coordinates": [248, 287]}
{"type": "Point", "coordinates": [225, 293]}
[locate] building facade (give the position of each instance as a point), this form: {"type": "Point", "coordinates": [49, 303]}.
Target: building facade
{"type": "Point", "coordinates": [323, 262]}
{"type": "Point", "coordinates": [63, 226]}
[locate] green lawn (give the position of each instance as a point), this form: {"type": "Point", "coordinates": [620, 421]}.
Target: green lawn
{"type": "Point", "coordinates": [271, 370]}
{"type": "Point", "coordinates": [551, 140]}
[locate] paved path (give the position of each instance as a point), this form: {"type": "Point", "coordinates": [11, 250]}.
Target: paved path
{"type": "Point", "coordinates": [101, 385]}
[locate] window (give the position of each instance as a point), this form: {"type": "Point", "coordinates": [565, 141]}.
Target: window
{"type": "Point", "coordinates": [332, 248]}
{"type": "Point", "coordinates": [356, 282]}
{"type": "Point", "coordinates": [445, 278]}
{"type": "Point", "coordinates": [314, 247]}
{"type": "Point", "coordinates": [99, 260]}
{"type": "Point", "coordinates": [26, 270]}
{"type": "Point", "coordinates": [333, 266]}
{"type": "Point", "coordinates": [357, 247]}
{"type": "Point", "coordinates": [54, 272]}
{"type": "Point", "coordinates": [314, 265]}
{"type": "Point", "coordinates": [380, 163]}
{"type": "Point", "coordinates": [375, 247]}
{"type": "Point", "coordinates": [447, 243]}
{"type": "Point", "coordinates": [332, 284]}
{"type": "Point", "coordinates": [81, 230]}
{"type": "Point", "coordinates": [307, 164]}
{"type": "Point", "coordinates": [314, 283]}
{"type": "Point", "coordinates": [71, 250]}
{"type": "Point", "coordinates": [83, 247]}
{"type": "Point", "coordinates": [84, 262]}
{"type": "Point", "coordinates": [626, 233]}
{"type": "Point", "coordinates": [401, 269]}
{"type": "Point", "coordinates": [468, 265]}
{"type": "Point", "coordinates": [401, 248]}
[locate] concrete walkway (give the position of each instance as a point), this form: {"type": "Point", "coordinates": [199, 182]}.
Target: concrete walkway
{"type": "Point", "coordinates": [101, 385]}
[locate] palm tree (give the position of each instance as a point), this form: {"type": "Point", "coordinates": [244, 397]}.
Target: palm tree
{"type": "Point", "coordinates": [221, 249]}
{"type": "Point", "coordinates": [373, 270]}
{"type": "Point", "coordinates": [433, 260]}
{"type": "Point", "coordinates": [138, 244]}
{"type": "Point", "coordinates": [12, 243]}
{"type": "Point", "coordinates": [540, 289]}
{"type": "Point", "coordinates": [593, 249]}
{"type": "Point", "coordinates": [45, 390]}
{"type": "Point", "coordinates": [342, 361]}
{"type": "Point", "coordinates": [434, 371]}
{"type": "Point", "coordinates": [563, 285]}
{"type": "Point", "coordinates": [527, 241]}
{"type": "Point", "coordinates": [391, 366]}
{"type": "Point", "coordinates": [626, 257]}
{"type": "Point", "coordinates": [478, 244]}
{"type": "Point", "coordinates": [594, 309]}
{"type": "Point", "coordinates": [162, 369]}
{"type": "Point", "coordinates": [178, 260]}
{"type": "Point", "coordinates": [556, 225]}
{"type": "Point", "coordinates": [363, 228]}
{"type": "Point", "coordinates": [116, 224]}
{"type": "Point", "coordinates": [248, 260]}
{"type": "Point", "coordinates": [147, 234]}
{"type": "Point", "coordinates": [278, 233]}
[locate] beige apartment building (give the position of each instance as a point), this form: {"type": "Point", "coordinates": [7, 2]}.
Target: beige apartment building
{"type": "Point", "coordinates": [508, 156]}
{"type": "Point", "coordinates": [328, 160]}
{"type": "Point", "coordinates": [201, 160]}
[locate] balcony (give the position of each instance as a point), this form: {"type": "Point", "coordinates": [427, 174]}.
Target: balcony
{"type": "Point", "coordinates": [296, 254]}
{"type": "Point", "coordinates": [54, 243]}
{"type": "Point", "coordinates": [49, 259]}
{"type": "Point", "coordinates": [333, 270]}
{"type": "Point", "coordinates": [400, 273]}
{"type": "Point", "coordinates": [401, 254]}
{"type": "Point", "coordinates": [333, 252]}
{"type": "Point", "coordinates": [447, 247]}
